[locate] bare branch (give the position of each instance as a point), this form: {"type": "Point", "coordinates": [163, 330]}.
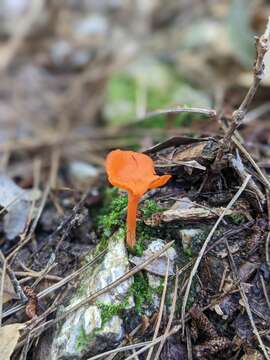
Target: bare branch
{"type": "Point", "coordinates": [262, 44]}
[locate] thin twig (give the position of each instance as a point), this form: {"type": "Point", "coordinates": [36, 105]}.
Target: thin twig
{"type": "Point", "coordinates": [55, 287]}
{"type": "Point", "coordinates": [262, 46]}
{"type": "Point", "coordinates": [201, 253]}
{"type": "Point", "coordinates": [241, 147]}
{"type": "Point", "coordinates": [265, 291]}
{"type": "Point", "coordinates": [161, 307]}
{"type": "Point", "coordinates": [267, 249]}
{"type": "Point", "coordinates": [177, 110]}
{"type": "Point", "coordinates": [169, 324]}
{"type": "Point", "coordinates": [125, 341]}
{"type": "Point", "coordinates": [4, 261]}
{"type": "Point", "coordinates": [154, 342]}
{"type": "Point", "coordinates": [189, 345]}
{"type": "Point", "coordinates": [124, 348]}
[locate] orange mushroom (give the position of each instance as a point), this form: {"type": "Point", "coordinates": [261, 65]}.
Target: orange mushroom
{"type": "Point", "coordinates": [135, 173]}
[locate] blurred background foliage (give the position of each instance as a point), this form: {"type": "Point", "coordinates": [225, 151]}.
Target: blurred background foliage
{"type": "Point", "coordinates": [90, 65]}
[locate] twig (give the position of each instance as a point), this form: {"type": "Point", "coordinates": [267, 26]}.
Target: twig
{"type": "Point", "coordinates": [265, 291]}
{"type": "Point", "coordinates": [55, 287]}
{"type": "Point", "coordinates": [189, 345]}
{"type": "Point", "coordinates": [169, 324]}
{"type": "Point", "coordinates": [201, 253]}
{"type": "Point", "coordinates": [178, 110]}
{"type": "Point", "coordinates": [124, 348]}
{"type": "Point", "coordinates": [35, 274]}
{"type": "Point", "coordinates": [267, 249]}
{"type": "Point", "coordinates": [161, 307]}
{"type": "Point", "coordinates": [262, 46]}
{"type": "Point", "coordinates": [245, 301]}
{"type": "Point", "coordinates": [18, 289]}
{"type": "Point", "coordinates": [125, 341]}
{"type": "Point", "coordinates": [240, 146]}
{"type": "Point", "coordinates": [154, 342]}
{"type": "Point", "coordinates": [4, 261]}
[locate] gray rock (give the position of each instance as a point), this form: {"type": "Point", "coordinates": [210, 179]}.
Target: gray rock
{"type": "Point", "coordinates": [82, 332]}
{"type": "Point", "coordinates": [158, 266]}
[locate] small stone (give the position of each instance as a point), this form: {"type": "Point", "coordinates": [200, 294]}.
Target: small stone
{"type": "Point", "coordinates": [159, 265]}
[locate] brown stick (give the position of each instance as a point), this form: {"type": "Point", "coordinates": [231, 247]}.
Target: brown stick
{"type": "Point", "coordinates": [262, 45]}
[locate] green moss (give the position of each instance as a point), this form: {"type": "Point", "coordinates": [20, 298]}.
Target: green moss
{"type": "Point", "coordinates": [237, 218]}
{"type": "Point", "coordinates": [110, 216]}
{"type": "Point", "coordinates": [149, 208]}
{"type": "Point", "coordinates": [83, 339]}
{"type": "Point", "coordinates": [141, 291]}
{"type": "Point", "coordinates": [113, 211]}
{"type": "Point", "coordinates": [110, 310]}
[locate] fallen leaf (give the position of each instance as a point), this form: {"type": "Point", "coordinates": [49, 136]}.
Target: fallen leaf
{"type": "Point", "coordinates": [9, 336]}
{"type": "Point", "coordinates": [9, 292]}
{"type": "Point", "coordinates": [17, 202]}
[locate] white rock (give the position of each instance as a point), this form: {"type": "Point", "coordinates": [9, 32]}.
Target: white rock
{"type": "Point", "coordinates": [86, 322]}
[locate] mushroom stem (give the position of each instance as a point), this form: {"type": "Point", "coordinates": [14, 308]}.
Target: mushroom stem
{"type": "Point", "coordinates": [133, 201]}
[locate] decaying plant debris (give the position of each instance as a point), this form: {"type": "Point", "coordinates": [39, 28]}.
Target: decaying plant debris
{"type": "Point", "coordinates": [196, 284]}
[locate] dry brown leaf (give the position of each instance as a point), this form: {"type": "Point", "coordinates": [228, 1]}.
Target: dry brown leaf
{"type": "Point", "coordinates": [191, 152]}
{"type": "Point", "coordinates": [9, 292]}
{"type": "Point", "coordinates": [9, 336]}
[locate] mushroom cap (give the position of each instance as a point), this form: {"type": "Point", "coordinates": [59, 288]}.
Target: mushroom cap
{"type": "Point", "coordinates": [133, 172]}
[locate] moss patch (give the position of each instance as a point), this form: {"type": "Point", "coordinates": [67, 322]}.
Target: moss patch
{"type": "Point", "coordinates": [112, 214]}
{"type": "Point", "coordinates": [110, 310]}
{"type": "Point", "coordinates": [83, 339]}
{"type": "Point", "coordinates": [141, 291]}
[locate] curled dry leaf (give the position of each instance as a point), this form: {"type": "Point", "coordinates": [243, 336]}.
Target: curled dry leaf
{"type": "Point", "coordinates": [9, 335]}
